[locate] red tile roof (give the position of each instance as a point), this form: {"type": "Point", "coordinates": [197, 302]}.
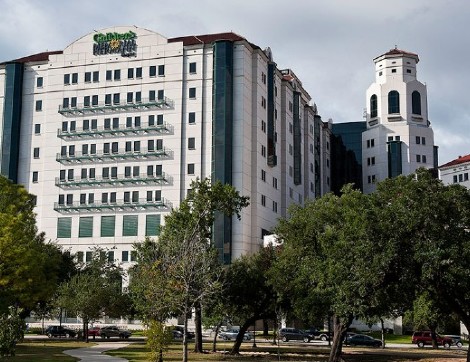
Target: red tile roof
{"type": "Point", "coordinates": [397, 52]}
{"type": "Point", "coordinates": [205, 39]}
{"type": "Point", "coordinates": [457, 161]}
{"type": "Point", "coordinates": [39, 57]}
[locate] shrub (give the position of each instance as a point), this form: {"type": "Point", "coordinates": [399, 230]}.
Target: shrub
{"type": "Point", "coordinates": [12, 328]}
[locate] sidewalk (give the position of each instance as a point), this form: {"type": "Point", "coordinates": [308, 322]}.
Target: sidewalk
{"type": "Point", "coordinates": [94, 354]}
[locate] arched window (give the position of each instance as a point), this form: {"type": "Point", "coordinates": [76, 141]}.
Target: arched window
{"type": "Point", "coordinates": [393, 102]}
{"type": "Point", "coordinates": [373, 106]}
{"type": "Point", "coordinates": [416, 102]}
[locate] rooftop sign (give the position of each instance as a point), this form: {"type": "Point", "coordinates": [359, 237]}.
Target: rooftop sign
{"type": "Point", "coordinates": [115, 43]}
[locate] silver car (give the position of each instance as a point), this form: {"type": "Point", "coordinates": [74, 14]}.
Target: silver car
{"type": "Point", "coordinates": [230, 334]}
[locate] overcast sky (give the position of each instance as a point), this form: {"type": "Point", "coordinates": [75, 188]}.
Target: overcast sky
{"type": "Point", "coordinates": [329, 44]}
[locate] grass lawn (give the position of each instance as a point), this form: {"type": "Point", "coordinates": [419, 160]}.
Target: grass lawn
{"type": "Point", "coordinates": [37, 351]}
{"type": "Point", "coordinates": [137, 352]}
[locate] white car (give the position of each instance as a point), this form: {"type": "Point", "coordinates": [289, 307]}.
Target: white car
{"type": "Point", "coordinates": [230, 334]}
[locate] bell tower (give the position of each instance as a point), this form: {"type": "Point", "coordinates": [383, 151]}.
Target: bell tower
{"type": "Point", "coordinates": [399, 138]}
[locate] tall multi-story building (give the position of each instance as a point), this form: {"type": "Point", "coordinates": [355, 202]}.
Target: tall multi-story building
{"type": "Point", "coordinates": [399, 138]}
{"type": "Point", "coordinates": [110, 132]}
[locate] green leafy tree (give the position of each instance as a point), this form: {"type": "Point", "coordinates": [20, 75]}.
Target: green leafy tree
{"type": "Point", "coordinates": [95, 291]}
{"type": "Point", "coordinates": [437, 226]}
{"type": "Point", "coordinates": [248, 295]}
{"type": "Point", "coordinates": [331, 261]}
{"type": "Point", "coordinates": [29, 267]}
{"type": "Point", "coordinates": [185, 257]}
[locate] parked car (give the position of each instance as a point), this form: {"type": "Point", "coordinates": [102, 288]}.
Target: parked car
{"type": "Point", "coordinates": [113, 331]}
{"type": "Point", "coordinates": [178, 332]}
{"type": "Point", "coordinates": [230, 334]}
{"type": "Point", "coordinates": [287, 334]}
{"type": "Point", "coordinates": [324, 335]}
{"type": "Point", "coordinates": [94, 332]}
{"type": "Point", "coordinates": [362, 340]}
{"type": "Point", "coordinates": [422, 338]}
{"type": "Point", "coordinates": [456, 340]}
{"type": "Point", "coordinates": [59, 331]}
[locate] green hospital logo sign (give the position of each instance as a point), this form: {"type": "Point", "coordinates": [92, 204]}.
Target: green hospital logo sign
{"type": "Point", "coordinates": [115, 43]}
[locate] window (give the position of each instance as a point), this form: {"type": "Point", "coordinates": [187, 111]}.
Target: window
{"type": "Point", "coordinates": [96, 77]}
{"type": "Point", "coordinates": [423, 158]}
{"type": "Point", "coordinates": [151, 120]}
{"type": "Point", "coordinates": [130, 97]}
{"type": "Point", "coordinates": [64, 227]}
{"type": "Point", "coordinates": [66, 79]}
{"type": "Point", "coordinates": [192, 93]}
{"type": "Point", "coordinates": [136, 146]}
{"type": "Point", "coordinates": [38, 105]}
{"type": "Point", "coordinates": [161, 95]}
{"type": "Point", "coordinates": [135, 171]}
{"type": "Point", "coordinates": [109, 75]}
{"type": "Point", "coordinates": [152, 71]}
{"type": "Point", "coordinates": [138, 97]}
{"type": "Point", "coordinates": [160, 119]}
{"type": "Point", "coordinates": [393, 102]}
{"type": "Point", "coordinates": [88, 256]}
{"type": "Point", "coordinates": [152, 95]}
{"type": "Point", "coordinates": [107, 99]}
{"type": "Point", "coordinates": [192, 117]}
{"type": "Point", "coordinates": [116, 98]}
{"type": "Point", "coordinates": [394, 70]}
{"type": "Point", "coordinates": [397, 138]}
{"type": "Point", "coordinates": [129, 225]}
{"type": "Point", "coordinates": [416, 103]}
{"type": "Point", "coordinates": [191, 143]}
{"type": "Point", "coordinates": [408, 71]}
{"type": "Point", "coordinates": [86, 101]}
{"type": "Point", "coordinates": [455, 179]}
{"type": "Point", "coordinates": [373, 106]}
{"type": "Point", "coordinates": [36, 152]}
{"type": "Point", "coordinates": [107, 225]}
{"type": "Point", "coordinates": [152, 225]}
{"type": "Point", "coordinates": [263, 150]}
{"type": "Point", "coordinates": [107, 123]}
{"type": "Point", "coordinates": [418, 140]}
{"type": "Point", "coordinates": [117, 74]}
{"type": "Point", "coordinates": [115, 123]}
{"type": "Point", "coordinates": [263, 102]}
{"type": "Point", "coordinates": [85, 227]}
{"type": "Point", "coordinates": [125, 256]}
{"type": "Point", "coordinates": [263, 200]}
{"type": "Point", "coordinates": [263, 175]}
{"type": "Point", "coordinates": [423, 140]}
{"type": "Point", "coordinates": [74, 78]}
{"type": "Point", "coordinates": [161, 70]}
{"type": "Point", "coordinates": [274, 206]}
{"type": "Point", "coordinates": [37, 128]}
{"type": "Point", "coordinates": [192, 67]}
{"type": "Point", "coordinates": [418, 158]}
{"type": "Point", "coordinates": [39, 82]}
{"type": "Point", "coordinates": [80, 256]}
{"type": "Point", "coordinates": [465, 176]}
{"type": "Point", "coordinates": [263, 126]}
{"type": "Point", "coordinates": [130, 73]}
{"type": "Point", "coordinates": [35, 176]}
{"type": "Point", "coordinates": [190, 168]}
{"type": "Point", "coordinates": [275, 182]}
{"type": "Point", "coordinates": [158, 170]}
{"type": "Point", "coordinates": [138, 72]}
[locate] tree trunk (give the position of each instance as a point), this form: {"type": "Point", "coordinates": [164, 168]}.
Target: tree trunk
{"type": "Point", "coordinates": [265, 327]}
{"type": "Point", "coordinates": [339, 331]}
{"type": "Point", "coordinates": [434, 337]}
{"type": "Point", "coordinates": [214, 341]}
{"type": "Point", "coordinates": [383, 332]}
{"type": "Point", "coordinates": [185, 338]}
{"type": "Point", "coordinates": [198, 331]}
{"type": "Point", "coordinates": [241, 334]}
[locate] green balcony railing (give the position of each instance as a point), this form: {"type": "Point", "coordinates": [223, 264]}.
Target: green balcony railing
{"type": "Point", "coordinates": [119, 180]}
{"type": "Point", "coordinates": [119, 205]}
{"type": "Point", "coordinates": [102, 132]}
{"type": "Point", "coordinates": [103, 108]}
{"type": "Point", "coordinates": [79, 157]}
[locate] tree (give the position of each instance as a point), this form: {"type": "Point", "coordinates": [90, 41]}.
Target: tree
{"type": "Point", "coordinates": [12, 328]}
{"type": "Point", "coordinates": [331, 261]}
{"type": "Point", "coordinates": [96, 290]}
{"type": "Point", "coordinates": [185, 257]}
{"type": "Point", "coordinates": [437, 226]}
{"type": "Point", "coordinates": [247, 294]}
{"type": "Point", "coordinates": [29, 268]}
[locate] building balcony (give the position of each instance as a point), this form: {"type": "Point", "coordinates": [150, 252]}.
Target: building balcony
{"type": "Point", "coordinates": [119, 180]}
{"type": "Point", "coordinates": [117, 206]}
{"type": "Point", "coordinates": [102, 108]}
{"type": "Point", "coordinates": [165, 128]}
{"type": "Point", "coordinates": [79, 157]}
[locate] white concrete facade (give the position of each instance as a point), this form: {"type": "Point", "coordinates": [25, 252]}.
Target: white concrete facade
{"type": "Point", "coordinates": [113, 139]}
{"type": "Point", "coordinates": [456, 171]}
{"type": "Point", "coordinates": [397, 121]}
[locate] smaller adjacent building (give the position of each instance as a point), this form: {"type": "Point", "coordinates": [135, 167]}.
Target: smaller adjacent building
{"type": "Point", "coordinates": [456, 171]}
